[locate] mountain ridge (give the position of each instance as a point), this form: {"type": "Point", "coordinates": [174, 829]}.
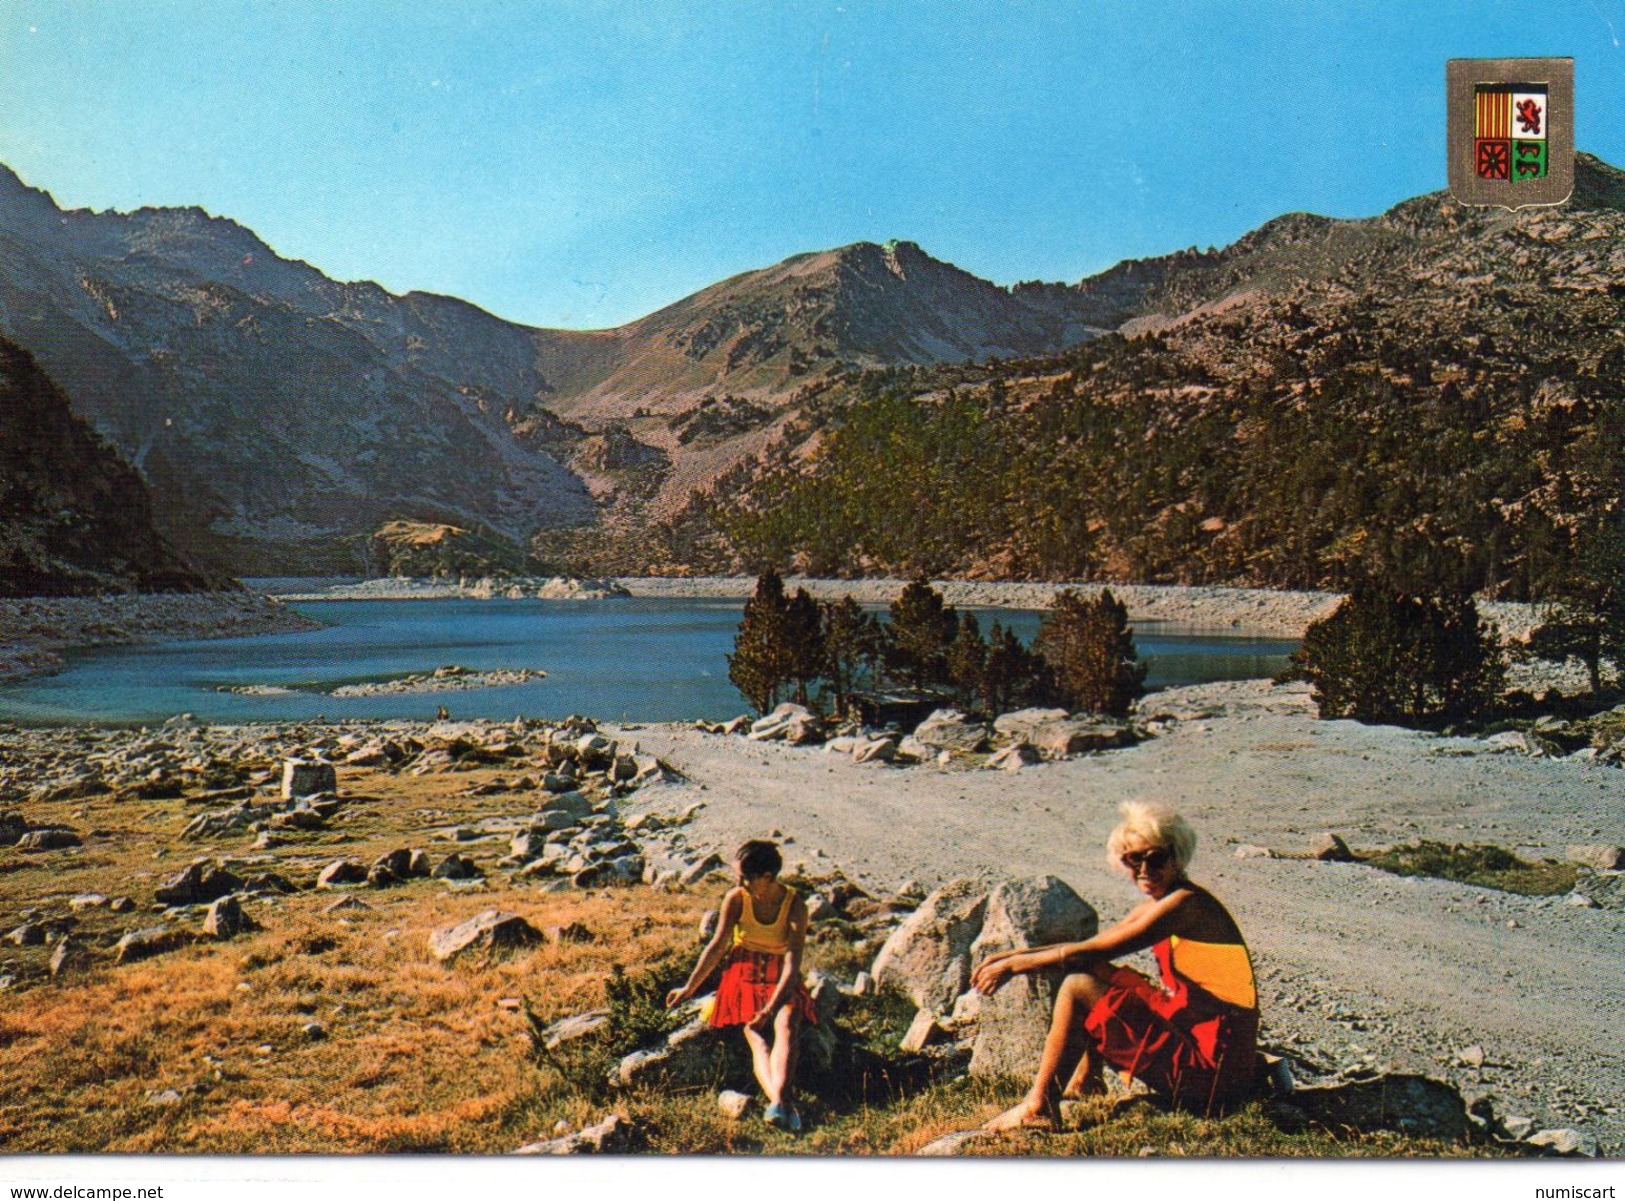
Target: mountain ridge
{"type": "Point", "coordinates": [280, 416]}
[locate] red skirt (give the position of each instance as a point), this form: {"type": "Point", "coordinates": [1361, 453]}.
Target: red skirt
{"type": "Point", "coordinates": [749, 979]}
{"type": "Point", "coordinates": [1188, 1046]}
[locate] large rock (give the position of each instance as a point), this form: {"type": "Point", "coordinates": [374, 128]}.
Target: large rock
{"type": "Point", "coordinates": [1078, 736]}
{"type": "Point", "coordinates": [574, 805]}
{"type": "Point", "coordinates": [341, 872]}
{"type": "Point", "coordinates": [154, 940]}
{"type": "Point", "coordinates": [12, 827]}
{"type": "Point", "coordinates": [52, 838]}
{"type": "Point", "coordinates": [928, 956]}
{"type": "Point", "coordinates": [874, 750]}
{"type": "Point", "coordinates": [226, 919]}
{"type": "Point", "coordinates": [951, 730]}
{"type": "Point", "coordinates": [491, 931]}
{"type": "Point", "coordinates": [689, 1058]}
{"type": "Point", "coordinates": [1019, 725]}
{"type": "Point", "coordinates": [777, 724]}
{"type": "Point", "coordinates": [198, 883]}
{"type": "Point", "coordinates": [1413, 1105]}
{"type": "Point", "coordinates": [1597, 856]}
{"type": "Point", "coordinates": [307, 777]}
{"type": "Point", "coordinates": [1012, 1023]}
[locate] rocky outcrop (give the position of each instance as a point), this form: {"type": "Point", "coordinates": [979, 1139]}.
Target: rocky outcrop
{"type": "Point", "coordinates": [928, 956]}
{"type": "Point", "coordinates": [492, 931]}
{"type": "Point", "coordinates": [75, 518]}
{"type": "Point", "coordinates": [1012, 1023]}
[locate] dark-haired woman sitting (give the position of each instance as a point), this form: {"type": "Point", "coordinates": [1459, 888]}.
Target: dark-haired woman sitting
{"type": "Point", "coordinates": [762, 927]}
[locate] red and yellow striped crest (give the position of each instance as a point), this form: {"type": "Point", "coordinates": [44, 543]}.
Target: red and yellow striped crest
{"type": "Point", "coordinates": [1494, 113]}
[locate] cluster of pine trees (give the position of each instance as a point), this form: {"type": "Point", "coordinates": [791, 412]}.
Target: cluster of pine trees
{"type": "Point", "coordinates": [1435, 460]}
{"type": "Point", "coordinates": [824, 654]}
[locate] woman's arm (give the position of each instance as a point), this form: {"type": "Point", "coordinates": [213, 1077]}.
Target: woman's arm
{"type": "Point", "coordinates": [714, 950]}
{"type": "Point", "coordinates": [1147, 924]}
{"type": "Point", "coordinates": [790, 975]}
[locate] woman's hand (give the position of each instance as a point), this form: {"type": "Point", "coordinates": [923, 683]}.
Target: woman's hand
{"type": "Point", "coordinates": [762, 1020]}
{"type": "Point", "coordinates": [993, 972]}
{"type": "Point", "coordinates": [677, 996]}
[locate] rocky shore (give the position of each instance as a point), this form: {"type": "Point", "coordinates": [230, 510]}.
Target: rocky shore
{"type": "Point", "coordinates": [34, 631]}
{"type": "Point", "coordinates": [450, 678]}
{"type": "Point", "coordinates": [1259, 611]}
{"type": "Point", "coordinates": [486, 588]}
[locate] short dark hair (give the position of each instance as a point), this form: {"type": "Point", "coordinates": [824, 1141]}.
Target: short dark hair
{"type": "Point", "coordinates": [758, 857]}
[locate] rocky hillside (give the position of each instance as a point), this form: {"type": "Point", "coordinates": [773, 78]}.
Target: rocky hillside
{"type": "Point", "coordinates": [74, 518]}
{"type": "Point", "coordinates": [280, 416]}
{"type": "Point", "coordinates": [1437, 393]}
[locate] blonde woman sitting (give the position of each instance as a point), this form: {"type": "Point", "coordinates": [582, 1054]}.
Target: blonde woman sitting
{"type": "Point", "coordinates": [1192, 1037]}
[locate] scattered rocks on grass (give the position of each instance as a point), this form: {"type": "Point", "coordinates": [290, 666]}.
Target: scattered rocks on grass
{"type": "Point", "coordinates": [608, 1136]}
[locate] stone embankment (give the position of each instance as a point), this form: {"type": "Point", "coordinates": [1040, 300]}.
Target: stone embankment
{"type": "Point", "coordinates": [1260, 611]}
{"type": "Point", "coordinates": [35, 630]}
{"type": "Point", "coordinates": [488, 588]}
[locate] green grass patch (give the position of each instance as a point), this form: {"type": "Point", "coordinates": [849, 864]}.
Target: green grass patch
{"type": "Point", "coordinates": [1480, 864]}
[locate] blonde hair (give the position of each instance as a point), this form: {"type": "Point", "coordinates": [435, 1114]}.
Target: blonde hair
{"type": "Point", "coordinates": [1158, 825]}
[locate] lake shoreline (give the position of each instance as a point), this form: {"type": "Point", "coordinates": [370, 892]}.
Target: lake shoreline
{"type": "Point", "coordinates": [1264, 612]}
{"type": "Point", "coordinates": [35, 632]}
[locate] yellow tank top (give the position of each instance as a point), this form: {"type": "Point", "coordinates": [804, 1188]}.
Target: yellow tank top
{"type": "Point", "coordinates": [771, 938]}
{"type": "Point", "coordinates": [1222, 968]}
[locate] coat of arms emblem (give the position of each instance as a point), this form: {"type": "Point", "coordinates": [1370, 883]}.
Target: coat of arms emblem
{"type": "Point", "coordinates": [1511, 130]}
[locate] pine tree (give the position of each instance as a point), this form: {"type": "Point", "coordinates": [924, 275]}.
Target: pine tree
{"type": "Point", "coordinates": [1089, 647]}
{"type": "Point", "coordinates": [851, 648]}
{"type": "Point", "coordinates": [1426, 662]}
{"type": "Point", "coordinates": [763, 661]}
{"type": "Point", "coordinates": [1012, 675]}
{"type": "Point", "coordinates": [967, 662]}
{"type": "Point", "coordinates": [1584, 615]}
{"type": "Point", "coordinates": [918, 636]}
{"type": "Point", "coordinates": [804, 643]}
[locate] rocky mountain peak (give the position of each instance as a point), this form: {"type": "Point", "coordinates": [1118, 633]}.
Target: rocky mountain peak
{"type": "Point", "coordinates": [1597, 185]}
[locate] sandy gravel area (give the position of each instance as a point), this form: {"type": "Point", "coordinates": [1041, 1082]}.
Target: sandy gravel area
{"type": "Point", "coordinates": [1357, 966]}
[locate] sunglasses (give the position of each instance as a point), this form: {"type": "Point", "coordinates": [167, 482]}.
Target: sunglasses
{"type": "Point", "coordinates": [1152, 860]}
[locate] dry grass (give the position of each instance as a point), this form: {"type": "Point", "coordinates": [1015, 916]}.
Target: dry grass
{"type": "Point", "coordinates": [414, 1055]}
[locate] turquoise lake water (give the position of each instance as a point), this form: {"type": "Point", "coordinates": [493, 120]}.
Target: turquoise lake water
{"type": "Point", "coordinates": [625, 659]}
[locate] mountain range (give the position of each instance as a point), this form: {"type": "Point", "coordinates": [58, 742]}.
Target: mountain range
{"type": "Point", "coordinates": [280, 418]}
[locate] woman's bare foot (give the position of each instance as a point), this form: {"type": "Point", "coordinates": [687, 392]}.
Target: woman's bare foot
{"type": "Point", "coordinates": [1029, 1115]}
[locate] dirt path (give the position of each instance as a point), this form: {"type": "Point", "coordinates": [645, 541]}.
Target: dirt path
{"type": "Point", "coordinates": [1356, 966]}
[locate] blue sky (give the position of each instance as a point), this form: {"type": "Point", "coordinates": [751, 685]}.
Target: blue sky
{"type": "Point", "coordinates": [582, 164]}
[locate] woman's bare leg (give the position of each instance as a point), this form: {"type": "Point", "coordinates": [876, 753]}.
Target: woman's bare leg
{"type": "Point", "coordinates": [761, 1064]}
{"type": "Point", "coordinates": [1073, 1000]}
{"type": "Point", "coordinates": [1085, 1080]}
{"type": "Point", "coordinates": [782, 1060]}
